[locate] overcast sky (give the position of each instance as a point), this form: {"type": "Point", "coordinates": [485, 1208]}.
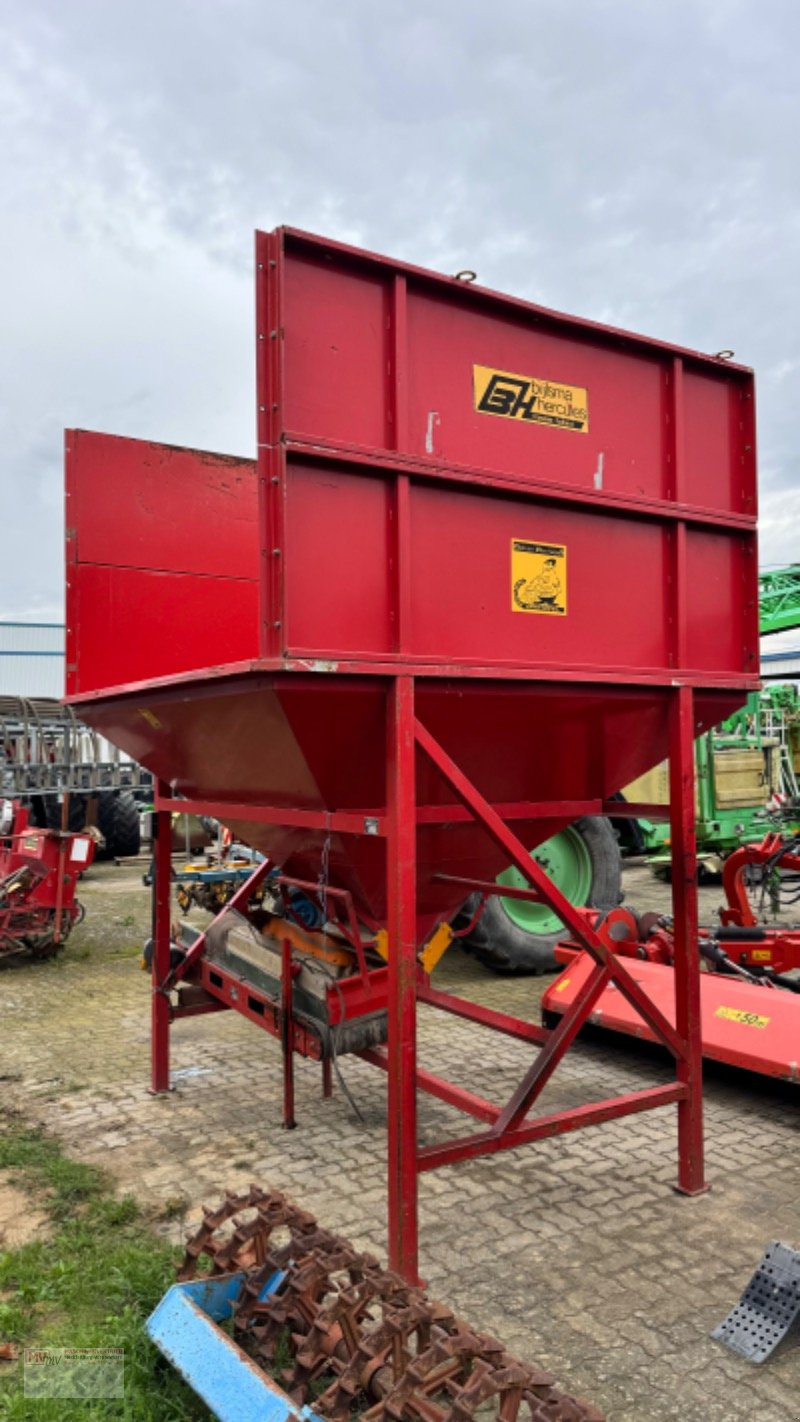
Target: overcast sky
{"type": "Point", "coordinates": [634, 161]}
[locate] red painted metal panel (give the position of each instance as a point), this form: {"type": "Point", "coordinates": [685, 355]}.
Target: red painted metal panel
{"type": "Point", "coordinates": [159, 507]}
{"type": "Point", "coordinates": [337, 583]}
{"type": "Point", "coordinates": [135, 624]}
{"type": "Point", "coordinates": [336, 342]}
{"type": "Point", "coordinates": [162, 559]}
{"type": "Point", "coordinates": [719, 441]}
{"type": "Point", "coordinates": [375, 358]}
{"type": "Point", "coordinates": [339, 305]}
{"type": "Point", "coordinates": [721, 602]}
{"type": "Point", "coordinates": [462, 586]}
{"type": "Point", "coordinates": [449, 333]}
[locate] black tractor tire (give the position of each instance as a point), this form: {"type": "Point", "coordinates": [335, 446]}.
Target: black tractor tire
{"type": "Point", "coordinates": [76, 816]}
{"type": "Point", "coordinates": [502, 945]}
{"type": "Point", "coordinates": [118, 822]}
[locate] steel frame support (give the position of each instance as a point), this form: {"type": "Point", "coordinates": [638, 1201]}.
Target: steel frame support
{"type": "Point", "coordinates": [691, 1179]}
{"type": "Point", "coordinates": [402, 969]}
{"type": "Point", "coordinates": [162, 901]}
{"type": "Point", "coordinates": [287, 1034]}
{"type": "Point", "coordinates": [509, 1125]}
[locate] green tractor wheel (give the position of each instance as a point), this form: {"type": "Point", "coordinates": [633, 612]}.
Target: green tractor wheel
{"type": "Point", "coordinates": [516, 936]}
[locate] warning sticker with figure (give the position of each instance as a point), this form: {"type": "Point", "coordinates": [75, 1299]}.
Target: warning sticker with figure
{"type": "Point", "coordinates": [538, 577]}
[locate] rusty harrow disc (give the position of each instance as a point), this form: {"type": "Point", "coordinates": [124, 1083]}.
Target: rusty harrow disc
{"type": "Point", "coordinates": [358, 1337]}
{"type": "Point", "coordinates": [231, 1242]}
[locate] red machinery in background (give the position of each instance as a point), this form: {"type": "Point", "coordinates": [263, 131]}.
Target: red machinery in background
{"type": "Point", "coordinates": [403, 652]}
{"type": "Point", "coordinates": [750, 1017]}
{"type": "Point", "coordinates": [39, 871]}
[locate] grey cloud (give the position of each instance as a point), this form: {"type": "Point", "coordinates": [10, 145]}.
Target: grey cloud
{"type": "Point", "coordinates": [625, 159]}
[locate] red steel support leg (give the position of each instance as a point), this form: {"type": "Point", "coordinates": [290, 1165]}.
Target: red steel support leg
{"type": "Point", "coordinates": [287, 1035]}
{"type": "Point", "coordinates": [402, 968]}
{"type": "Point", "coordinates": [691, 1179]}
{"type": "Point", "coordinates": [162, 901]}
{"type": "Point", "coordinates": [62, 868]}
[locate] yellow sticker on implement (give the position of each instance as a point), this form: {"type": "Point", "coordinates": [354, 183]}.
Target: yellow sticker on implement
{"type": "Point", "coordinates": [150, 717]}
{"type": "Point", "coordinates": [564, 983]}
{"type": "Point", "coordinates": [747, 1019]}
{"type": "Point", "coordinates": [538, 577]}
{"type": "Point", "coordinates": [531, 398]}
{"type": "Point", "coordinates": [761, 955]}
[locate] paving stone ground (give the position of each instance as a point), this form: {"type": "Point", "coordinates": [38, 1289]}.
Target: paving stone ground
{"type": "Point", "coordinates": [576, 1251]}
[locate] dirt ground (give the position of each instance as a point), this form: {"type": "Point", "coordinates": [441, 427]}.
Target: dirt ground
{"type": "Point", "coordinates": [20, 1220]}
{"type": "Point", "coordinates": [576, 1252]}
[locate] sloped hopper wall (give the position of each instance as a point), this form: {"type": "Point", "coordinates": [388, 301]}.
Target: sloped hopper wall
{"type": "Point", "coordinates": [320, 744]}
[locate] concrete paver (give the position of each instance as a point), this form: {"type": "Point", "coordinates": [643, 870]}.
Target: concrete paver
{"type": "Point", "coordinates": [575, 1251]}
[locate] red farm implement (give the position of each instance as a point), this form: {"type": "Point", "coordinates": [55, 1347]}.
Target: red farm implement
{"type": "Point", "coordinates": [39, 871]}
{"type": "Point", "coordinates": [426, 660]}
{"type": "Point", "coordinates": [748, 992]}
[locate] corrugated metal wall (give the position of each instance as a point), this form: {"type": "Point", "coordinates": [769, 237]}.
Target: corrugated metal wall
{"type": "Point", "coordinates": [31, 659]}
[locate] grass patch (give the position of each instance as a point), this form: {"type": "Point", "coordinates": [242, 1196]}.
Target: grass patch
{"type": "Point", "coordinates": [92, 1284]}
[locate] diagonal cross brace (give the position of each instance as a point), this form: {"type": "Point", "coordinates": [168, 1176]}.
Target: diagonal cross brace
{"type": "Point", "coordinates": [521, 859]}
{"type": "Point", "coordinates": [558, 1041]}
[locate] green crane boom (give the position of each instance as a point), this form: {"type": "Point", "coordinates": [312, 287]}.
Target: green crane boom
{"type": "Point", "coordinates": [779, 599]}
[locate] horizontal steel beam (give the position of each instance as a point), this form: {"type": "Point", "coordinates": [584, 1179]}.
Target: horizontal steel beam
{"type": "Point", "coordinates": [668, 511]}
{"type": "Point", "coordinates": [372, 822]}
{"type": "Point", "coordinates": [434, 1085]}
{"type": "Point", "coordinates": [556, 1124]}
{"type": "Point", "coordinates": [515, 810]}
{"type": "Point", "coordinates": [490, 886]}
{"type": "Point", "coordinates": [483, 1016]}
{"type": "Point", "coordinates": [630, 810]}
{"type": "Point", "coordinates": [344, 821]}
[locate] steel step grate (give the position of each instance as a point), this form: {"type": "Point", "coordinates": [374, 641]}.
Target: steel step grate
{"type": "Point", "coordinates": [768, 1307]}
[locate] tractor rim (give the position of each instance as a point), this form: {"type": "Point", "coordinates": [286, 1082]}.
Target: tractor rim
{"type": "Point", "coordinates": [566, 860]}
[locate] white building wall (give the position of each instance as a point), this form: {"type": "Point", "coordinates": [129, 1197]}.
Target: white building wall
{"type": "Point", "coordinates": [32, 659]}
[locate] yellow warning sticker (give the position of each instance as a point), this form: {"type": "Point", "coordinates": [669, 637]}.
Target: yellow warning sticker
{"type": "Point", "coordinates": [150, 717]}
{"type": "Point", "coordinates": [529, 397]}
{"type": "Point", "coordinates": [761, 955]}
{"type": "Point", "coordinates": [748, 1019]}
{"type": "Point", "coordinates": [562, 984]}
{"type": "Point", "coordinates": [538, 577]}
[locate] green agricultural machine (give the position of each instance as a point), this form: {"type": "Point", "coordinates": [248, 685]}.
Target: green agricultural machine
{"type": "Point", "coordinates": [747, 773]}
{"type": "Point", "coordinates": [746, 778]}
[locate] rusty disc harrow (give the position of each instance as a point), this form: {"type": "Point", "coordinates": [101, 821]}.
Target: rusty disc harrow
{"type": "Point", "coordinates": [345, 1336]}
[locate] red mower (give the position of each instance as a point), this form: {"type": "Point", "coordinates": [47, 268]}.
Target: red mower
{"type": "Point", "coordinates": [747, 993]}
{"type": "Point", "coordinates": [39, 870]}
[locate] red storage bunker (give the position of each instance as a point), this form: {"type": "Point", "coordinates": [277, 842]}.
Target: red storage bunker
{"type": "Point", "coordinates": [491, 563]}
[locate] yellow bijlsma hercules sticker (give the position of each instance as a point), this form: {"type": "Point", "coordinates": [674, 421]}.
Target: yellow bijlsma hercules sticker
{"type": "Point", "coordinates": [538, 577]}
{"type": "Point", "coordinates": [528, 397]}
